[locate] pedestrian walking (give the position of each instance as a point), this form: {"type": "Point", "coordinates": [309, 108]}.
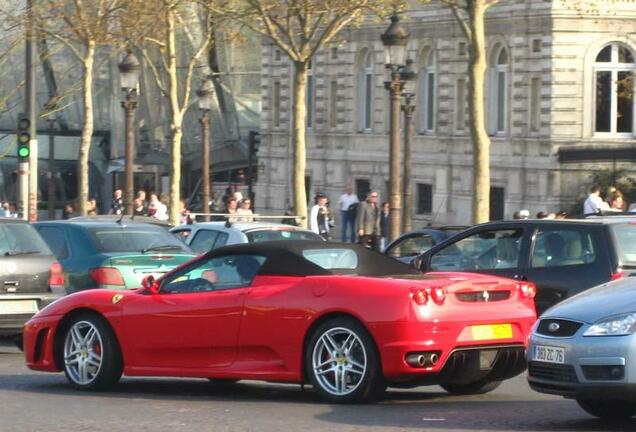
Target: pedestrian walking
{"type": "Point", "coordinates": [231, 209]}
{"type": "Point", "coordinates": [143, 209]}
{"type": "Point", "coordinates": [384, 226]}
{"type": "Point", "coordinates": [348, 206]}
{"type": "Point", "coordinates": [617, 202]}
{"type": "Point", "coordinates": [117, 204]}
{"type": "Point", "coordinates": [184, 213]}
{"type": "Point", "coordinates": [368, 221]}
{"type": "Point", "coordinates": [69, 211]}
{"type": "Point", "coordinates": [319, 217]}
{"type": "Point", "coordinates": [156, 208]}
{"type": "Point", "coordinates": [244, 209]}
{"type": "Point", "coordinates": [594, 203]}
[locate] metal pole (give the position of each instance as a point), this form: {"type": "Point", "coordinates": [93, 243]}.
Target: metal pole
{"type": "Point", "coordinates": [52, 170]}
{"type": "Point", "coordinates": [250, 169]}
{"type": "Point", "coordinates": [23, 204]}
{"type": "Point", "coordinates": [395, 205]}
{"type": "Point", "coordinates": [129, 106]}
{"type": "Point", "coordinates": [407, 187]}
{"type": "Point", "coordinates": [205, 162]}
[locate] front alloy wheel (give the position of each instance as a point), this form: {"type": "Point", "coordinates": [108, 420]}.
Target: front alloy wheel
{"type": "Point", "coordinates": [342, 361]}
{"type": "Point", "coordinates": [92, 359]}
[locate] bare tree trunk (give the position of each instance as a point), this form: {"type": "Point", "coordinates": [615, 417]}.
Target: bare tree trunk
{"type": "Point", "coordinates": [177, 120]}
{"type": "Point", "coordinates": [300, 149]}
{"type": "Point", "coordinates": [205, 164]}
{"type": "Point", "coordinates": [87, 130]}
{"type": "Point", "coordinates": [481, 141]}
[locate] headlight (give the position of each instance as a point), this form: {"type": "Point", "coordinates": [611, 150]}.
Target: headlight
{"type": "Point", "coordinates": [619, 325]}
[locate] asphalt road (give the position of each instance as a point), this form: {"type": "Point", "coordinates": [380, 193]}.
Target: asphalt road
{"type": "Point", "coordinates": [31, 401]}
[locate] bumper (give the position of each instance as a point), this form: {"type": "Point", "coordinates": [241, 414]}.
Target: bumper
{"type": "Point", "coordinates": [593, 367]}
{"type": "Point", "coordinates": [39, 343]}
{"type": "Point", "coordinates": [462, 357]}
{"type": "Point", "coordinates": [11, 323]}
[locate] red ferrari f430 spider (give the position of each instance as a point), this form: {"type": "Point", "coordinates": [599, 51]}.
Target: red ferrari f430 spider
{"type": "Point", "coordinates": [346, 319]}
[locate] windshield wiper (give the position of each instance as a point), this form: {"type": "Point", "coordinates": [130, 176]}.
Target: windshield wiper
{"type": "Point", "coordinates": [14, 253]}
{"type": "Point", "coordinates": [160, 248]}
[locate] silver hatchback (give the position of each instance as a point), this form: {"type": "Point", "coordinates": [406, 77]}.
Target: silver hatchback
{"type": "Point", "coordinates": [585, 348]}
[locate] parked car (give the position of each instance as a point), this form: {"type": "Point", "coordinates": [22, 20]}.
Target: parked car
{"type": "Point", "coordinates": [585, 348]}
{"type": "Point", "coordinates": [205, 236]}
{"type": "Point", "coordinates": [123, 219]}
{"type": "Point", "coordinates": [414, 243]}
{"type": "Point", "coordinates": [561, 257]}
{"type": "Point", "coordinates": [30, 276]}
{"type": "Point", "coordinates": [111, 254]}
{"type": "Point", "coordinates": [349, 320]}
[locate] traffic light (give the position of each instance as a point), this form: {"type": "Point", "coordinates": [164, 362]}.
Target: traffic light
{"type": "Point", "coordinates": [254, 141]}
{"type": "Point", "coordinates": [24, 139]}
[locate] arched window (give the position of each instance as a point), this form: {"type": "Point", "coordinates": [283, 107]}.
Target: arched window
{"type": "Point", "coordinates": [498, 112]}
{"type": "Point", "coordinates": [427, 86]}
{"type": "Point", "coordinates": [614, 91]}
{"type": "Point", "coordinates": [365, 90]}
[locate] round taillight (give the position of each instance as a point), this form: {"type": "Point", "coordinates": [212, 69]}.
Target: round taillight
{"type": "Point", "coordinates": [528, 290]}
{"type": "Point", "coordinates": [438, 294]}
{"type": "Point", "coordinates": [419, 296]}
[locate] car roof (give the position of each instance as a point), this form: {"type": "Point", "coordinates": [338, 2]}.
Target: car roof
{"type": "Point", "coordinates": [287, 259]}
{"type": "Point", "coordinates": [244, 226]}
{"type": "Point", "coordinates": [125, 220]}
{"type": "Point", "coordinates": [97, 223]}
{"type": "Point", "coordinates": [12, 220]}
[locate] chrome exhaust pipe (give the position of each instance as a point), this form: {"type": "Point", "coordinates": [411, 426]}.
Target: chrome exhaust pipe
{"type": "Point", "coordinates": [425, 359]}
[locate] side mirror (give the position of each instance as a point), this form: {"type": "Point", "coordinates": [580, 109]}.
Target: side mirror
{"type": "Point", "coordinates": [150, 284]}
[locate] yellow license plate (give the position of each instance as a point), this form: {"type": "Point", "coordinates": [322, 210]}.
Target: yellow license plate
{"type": "Point", "coordinates": [18, 307]}
{"type": "Point", "coordinates": [491, 331]}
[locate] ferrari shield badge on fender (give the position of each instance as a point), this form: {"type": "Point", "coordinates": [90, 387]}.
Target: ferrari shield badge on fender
{"type": "Point", "coordinates": [117, 298]}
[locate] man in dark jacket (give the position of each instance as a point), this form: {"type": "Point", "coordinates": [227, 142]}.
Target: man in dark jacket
{"type": "Point", "coordinates": [368, 221]}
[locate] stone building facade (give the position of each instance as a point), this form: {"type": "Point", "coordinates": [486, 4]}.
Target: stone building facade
{"type": "Point", "coordinates": [559, 105]}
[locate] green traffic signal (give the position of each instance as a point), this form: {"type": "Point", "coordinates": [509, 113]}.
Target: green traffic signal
{"type": "Point", "coordinates": [23, 151]}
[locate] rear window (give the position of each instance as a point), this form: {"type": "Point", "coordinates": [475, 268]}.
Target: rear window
{"type": "Point", "coordinates": [625, 234]}
{"type": "Point", "coordinates": [21, 238]}
{"type": "Point", "coordinates": [135, 239]}
{"type": "Point", "coordinates": [280, 234]}
{"type": "Point", "coordinates": [331, 259]}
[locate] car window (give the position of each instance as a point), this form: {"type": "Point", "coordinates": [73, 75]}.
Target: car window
{"type": "Point", "coordinates": [212, 274]}
{"type": "Point", "coordinates": [221, 240]}
{"type": "Point", "coordinates": [134, 239]}
{"type": "Point", "coordinates": [485, 250]}
{"type": "Point", "coordinates": [181, 234]}
{"type": "Point", "coordinates": [625, 234]}
{"type": "Point", "coordinates": [280, 234]}
{"type": "Point", "coordinates": [20, 238]}
{"type": "Point", "coordinates": [412, 246]}
{"type": "Point", "coordinates": [203, 240]}
{"type": "Point", "coordinates": [335, 258]}
{"type": "Point", "coordinates": [562, 247]}
{"type": "Point", "coordinates": [55, 239]}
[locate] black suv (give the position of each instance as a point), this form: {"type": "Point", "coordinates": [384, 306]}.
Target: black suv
{"type": "Point", "coordinates": [30, 276]}
{"type": "Point", "coordinates": [561, 257]}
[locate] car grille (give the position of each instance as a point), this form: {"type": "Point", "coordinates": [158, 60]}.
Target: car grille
{"type": "Point", "coordinates": [552, 372]}
{"type": "Point", "coordinates": [483, 296]}
{"type": "Point", "coordinates": [565, 328]}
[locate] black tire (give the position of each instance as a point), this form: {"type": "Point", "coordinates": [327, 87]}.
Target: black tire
{"type": "Point", "coordinates": [473, 388]}
{"type": "Point", "coordinates": [111, 367]}
{"type": "Point", "coordinates": [608, 409]}
{"type": "Point", "coordinates": [370, 386]}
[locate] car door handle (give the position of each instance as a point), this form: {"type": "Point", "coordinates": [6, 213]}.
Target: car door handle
{"type": "Point", "coordinates": [520, 277]}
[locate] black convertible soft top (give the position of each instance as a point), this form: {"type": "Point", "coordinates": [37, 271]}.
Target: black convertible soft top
{"type": "Point", "coordinates": [286, 258]}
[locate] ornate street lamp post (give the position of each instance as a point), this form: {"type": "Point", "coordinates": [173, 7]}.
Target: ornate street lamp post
{"type": "Point", "coordinates": [129, 70]}
{"type": "Point", "coordinates": [206, 101]}
{"type": "Point", "coordinates": [394, 40]}
{"type": "Point", "coordinates": [409, 77]}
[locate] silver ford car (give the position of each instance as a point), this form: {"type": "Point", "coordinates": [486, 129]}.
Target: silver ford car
{"type": "Point", "coordinates": [585, 348]}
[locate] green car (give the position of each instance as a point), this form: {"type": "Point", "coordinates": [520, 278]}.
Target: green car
{"type": "Point", "coordinates": [111, 254]}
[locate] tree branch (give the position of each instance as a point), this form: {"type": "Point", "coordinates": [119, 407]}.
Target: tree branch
{"type": "Point", "coordinates": [155, 71]}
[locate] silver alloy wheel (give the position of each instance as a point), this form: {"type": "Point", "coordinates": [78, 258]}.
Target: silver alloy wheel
{"type": "Point", "coordinates": [83, 351]}
{"type": "Point", "coordinates": [339, 361]}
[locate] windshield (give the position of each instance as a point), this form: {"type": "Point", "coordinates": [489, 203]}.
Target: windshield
{"type": "Point", "coordinates": [136, 239]}
{"type": "Point", "coordinates": [280, 234]}
{"type": "Point", "coordinates": [21, 238]}
{"type": "Point", "coordinates": [625, 234]}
